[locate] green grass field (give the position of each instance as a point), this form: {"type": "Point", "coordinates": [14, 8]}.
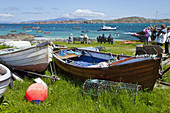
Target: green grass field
{"type": "Point", "coordinates": [65, 95]}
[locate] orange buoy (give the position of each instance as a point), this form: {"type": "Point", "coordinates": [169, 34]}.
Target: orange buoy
{"type": "Point", "coordinates": [36, 93]}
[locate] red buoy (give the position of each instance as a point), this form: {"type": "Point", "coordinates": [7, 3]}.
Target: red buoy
{"type": "Point", "coordinates": [36, 93]}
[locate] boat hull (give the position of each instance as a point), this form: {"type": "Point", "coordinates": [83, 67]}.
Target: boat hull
{"type": "Point", "coordinates": [31, 59]}
{"type": "Point", "coordinates": [37, 67]}
{"type": "Point", "coordinates": [5, 79]}
{"type": "Point", "coordinates": [107, 30]}
{"type": "Point", "coordinates": [140, 37]}
{"type": "Point", "coordinates": [85, 31]}
{"type": "Point", "coordinates": [141, 72]}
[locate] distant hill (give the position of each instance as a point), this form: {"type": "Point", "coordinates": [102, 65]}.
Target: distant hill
{"type": "Point", "coordinates": [133, 19]}
{"type": "Point", "coordinates": [56, 19]}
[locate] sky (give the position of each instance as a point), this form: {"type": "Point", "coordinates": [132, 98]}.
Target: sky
{"type": "Point", "coordinates": [26, 10]}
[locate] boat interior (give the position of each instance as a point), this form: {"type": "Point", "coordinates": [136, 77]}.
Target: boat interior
{"type": "Point", "coordinates": [2, 71]}
{"type": "Point", "coordinates": [84, 58]}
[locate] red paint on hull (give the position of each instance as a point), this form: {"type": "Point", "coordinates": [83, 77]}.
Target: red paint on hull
{"type": "Point", "coordinates": [37, 67]}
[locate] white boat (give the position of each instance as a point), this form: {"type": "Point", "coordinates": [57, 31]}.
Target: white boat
{"type": "Point", "coordinates": [17, 44]}
{"type": "Point", "coordinates": [107, 28]}
{"type": "Point", "coordinates": [35, 58]}
{"type": "Point", "coordinates": [5, 79]}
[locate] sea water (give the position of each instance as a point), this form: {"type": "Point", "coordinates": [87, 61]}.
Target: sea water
{"type": "Point", "coordinates": [62, 31]}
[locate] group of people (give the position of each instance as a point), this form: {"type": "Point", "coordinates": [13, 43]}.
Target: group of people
{"type": "Point", "coordinates": [160, 36]}
{"type": "Point", "coordinates": [82, 39]}
{"type": "Point", "coordinates": [104, 39]}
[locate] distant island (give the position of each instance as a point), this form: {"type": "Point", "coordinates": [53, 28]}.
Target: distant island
{"type": "Point", "coordinates": [133, 19]}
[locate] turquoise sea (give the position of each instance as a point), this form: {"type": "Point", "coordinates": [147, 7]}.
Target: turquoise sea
{"type": "Point", "coordinates": [62, 31]}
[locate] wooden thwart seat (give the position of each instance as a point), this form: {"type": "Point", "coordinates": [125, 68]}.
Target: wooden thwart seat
{"type": "Point", "coordinates": [67, 56]}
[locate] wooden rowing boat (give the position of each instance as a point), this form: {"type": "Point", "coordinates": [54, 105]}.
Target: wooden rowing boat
{"type": "Point", "coordinates": [35, 58]}
{"type": "Point", "coordinates": [5, 79]}
{"type": "Point", "coordinates": [107, 66]}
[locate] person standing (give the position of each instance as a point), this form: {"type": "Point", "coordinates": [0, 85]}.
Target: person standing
{"type": "Point", "coordinates": [167, 41]}
{"type": "Point", "coordinates": [161, 35]}
{"type": "Point", "coordinates": [70, 39]}
{"type": "Point", "coordinates": [154, 32]}
{"type": "Point", "coordinates": [147, 35]}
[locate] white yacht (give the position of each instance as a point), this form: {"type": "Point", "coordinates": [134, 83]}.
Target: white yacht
{"type": "Point", "coordinates": [107, 28]}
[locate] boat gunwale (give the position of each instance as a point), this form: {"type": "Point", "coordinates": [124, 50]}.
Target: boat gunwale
{"type": "Point", "coordinates": [94, 52]}
{"type": "Point", "coordinates": [6, 73]}
{"type": "Point", "coordinates": [24, 49]}
{"type": "Point", "coordinates": [110, 65]}
{"type": "Point", "coordinates": [4, 81]}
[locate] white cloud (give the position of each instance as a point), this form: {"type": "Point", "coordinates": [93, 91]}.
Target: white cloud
{"type": "Point", "coordinates": [11, 9]}
{"type": "Point", "coordinates": [85, 13]}
{"type": "Point", "coordinates": [6, 15]}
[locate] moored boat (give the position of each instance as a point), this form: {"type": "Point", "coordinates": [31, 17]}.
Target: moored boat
{"type": "Point", "coordinates": [13, 31]}
{"type": "Point", "coordinates": [5, 79]}
{"type": "Point", "coordinates": [76, 27]}
{"type": "Point", "coordinates": [28, 30]}
{"type": "Point", "coordinates": [46, 32]}
{"type": "Point", "coordinates": [107, 28]}
{"type": "Point", "coordinates": [35, 58]}
{"type": "Point", "coordinates": [27, 27]}
{"type": "Point", "coordinates": [139, 36]}
{"type": "Point", "coordinates": [35, 28]}
{"type": "Point", "coordinates": [86, 31]}
{"type": "Point", "coordinates": [86, 64]}
{"type": "Point", "coordinates": [39, 31]}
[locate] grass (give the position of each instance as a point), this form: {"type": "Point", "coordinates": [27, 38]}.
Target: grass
{"type": "Point", "coordinates": [66, 95]}
{"type": "Point", "coordinates": [115, 48]}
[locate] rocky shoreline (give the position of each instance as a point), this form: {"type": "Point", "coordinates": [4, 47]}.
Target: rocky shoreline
{"type": "Point", "coordinates": [19, 36]}
{"type": "Point", "coordinates": [31, 38]}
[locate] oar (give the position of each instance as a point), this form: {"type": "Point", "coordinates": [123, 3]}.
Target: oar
{"type": "Point", "coordinates": [167, 84]}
